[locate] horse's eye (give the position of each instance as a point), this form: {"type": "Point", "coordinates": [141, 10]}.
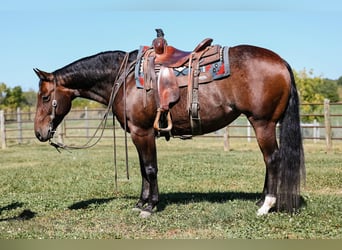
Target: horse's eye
{"type": "Point", "coordinates": [46, 98]}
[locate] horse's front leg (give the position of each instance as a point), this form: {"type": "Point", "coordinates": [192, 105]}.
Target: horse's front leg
{"type": "Point", "coordinates": [149, 197]}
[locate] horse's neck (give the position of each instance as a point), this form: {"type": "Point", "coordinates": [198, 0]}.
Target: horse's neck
{"type": "Point", "coordinates": [93, 78]}
{"type": "Point", "coordinates": [99, 92]}
{"type": "Point", "coordinates": [93, 88]}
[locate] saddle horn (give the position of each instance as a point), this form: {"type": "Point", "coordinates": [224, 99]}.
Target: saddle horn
{"type": "Point", "coordinates": [159, 44]}
{"type": "Point", "coordinates": [160, 33]}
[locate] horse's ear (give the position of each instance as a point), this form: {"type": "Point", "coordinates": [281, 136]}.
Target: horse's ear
{"type": "Point", "coordinates": [44, 76]}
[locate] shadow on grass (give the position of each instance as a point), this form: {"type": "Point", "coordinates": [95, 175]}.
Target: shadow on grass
{"type": "Point", "coordinates": [213, 197]}
{"type": "Point", "coordinates": [182, 198]}
{"type": "Point", "coordinates": [11, 206]}
{"type": "Point", "coordinates": [26, 214]}
{"type": "Point", "coordinates": [87, 203]}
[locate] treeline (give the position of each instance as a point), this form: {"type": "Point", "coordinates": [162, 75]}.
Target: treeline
{"type": "Point", "coordinates": [12, 98]}
{"type": "Point", "coordinates": [311, 88]}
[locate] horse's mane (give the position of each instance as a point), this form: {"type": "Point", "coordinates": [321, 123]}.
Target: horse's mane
{"type": "Point", "coordinates": [95, 67]}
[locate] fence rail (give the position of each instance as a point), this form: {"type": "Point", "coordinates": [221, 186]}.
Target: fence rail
{"type": "Point", "coordinates": [17, 127]}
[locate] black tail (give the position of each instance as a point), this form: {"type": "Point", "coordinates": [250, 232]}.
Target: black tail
{"type": "Point", "coordinates": [292, 167]}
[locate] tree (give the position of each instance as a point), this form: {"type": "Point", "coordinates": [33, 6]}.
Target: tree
{"type": "Point", "coordinates": [329, 90]}
{"type": "Point", "coordinates": [3, 88]}
{"type": "Point", "coordinates": [314, 89]}
{"type": "Point", "coordinates": [30, 97]}
{"type": "Point", "coordinates": [81, 103]}
{"type": "Point", "coordinates": [11, 98]}
{"type": "Point", "coordinates": [339, 81]}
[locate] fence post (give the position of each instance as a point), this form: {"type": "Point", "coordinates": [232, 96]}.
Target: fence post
{"type": "Point", "coordinates": [327, 123]}
{"type": "Point", "coordinates": [226, 145]}
{"type": "Point", "coordinates": [86, 121]}
{"type": "Point", "coordinates": [2, 129]}
{"type": "Point", "coordinates": [60, 132]}
{"type": "Point", "coordinates": [20, 127]}
{"type": "Point", "coordinates": [315, 131]}
{"type": "Point", "coordinates": [249, 129]}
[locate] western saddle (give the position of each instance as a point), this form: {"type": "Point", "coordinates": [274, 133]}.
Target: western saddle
{"type": "Point", "coordinates": [171, 57]}
{"type": "Point", "coordinates": [159, 64]}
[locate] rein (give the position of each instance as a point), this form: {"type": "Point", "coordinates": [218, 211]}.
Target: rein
{"type": "Point", "coordinates": [118, 83]}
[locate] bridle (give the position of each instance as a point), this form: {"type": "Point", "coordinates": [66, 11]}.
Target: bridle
{"type": "Point", "coordinates": [53, 112]}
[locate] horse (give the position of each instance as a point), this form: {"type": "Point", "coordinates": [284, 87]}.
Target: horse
{"type": "Point", "coordinates": [261, 86]}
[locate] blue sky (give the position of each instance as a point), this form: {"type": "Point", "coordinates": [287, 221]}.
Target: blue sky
{"type": "Point", "coordinates": [51, 34]}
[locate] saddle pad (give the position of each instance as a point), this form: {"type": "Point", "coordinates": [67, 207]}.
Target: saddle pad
{"type": "Point", "coordinates": [209, 72]}
{"type": "Point", "coordinates": [221, 68]}
{"type": "Point", "coordinates": [139, 72]}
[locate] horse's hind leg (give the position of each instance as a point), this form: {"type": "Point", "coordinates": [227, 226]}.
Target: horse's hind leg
{"type": "Point", "coordinates": [266, 137]}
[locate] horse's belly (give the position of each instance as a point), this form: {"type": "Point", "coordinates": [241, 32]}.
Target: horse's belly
{"type": "Point", "coordinates": [211, 119]}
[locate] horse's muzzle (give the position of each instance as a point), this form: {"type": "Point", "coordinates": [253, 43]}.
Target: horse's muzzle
{"type": "Point", "coordinates": [43, 137]}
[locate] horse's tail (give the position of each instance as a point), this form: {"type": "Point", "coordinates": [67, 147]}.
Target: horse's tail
{"type": "Point", "coordinates": [292, 167]}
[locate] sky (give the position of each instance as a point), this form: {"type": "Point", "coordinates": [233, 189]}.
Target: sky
{"type": "Point", "coordinates": [51, 34]}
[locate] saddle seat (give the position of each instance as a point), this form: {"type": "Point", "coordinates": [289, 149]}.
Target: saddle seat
{"type": "Point", "coordinates": [173, 57]}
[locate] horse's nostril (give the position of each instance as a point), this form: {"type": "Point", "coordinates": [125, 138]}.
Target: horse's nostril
{"type": "Point", "coordinates": [38, 135]}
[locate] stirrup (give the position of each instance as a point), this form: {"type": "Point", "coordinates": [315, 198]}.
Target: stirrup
{"type": "Point", "coordinates": [156, 121]}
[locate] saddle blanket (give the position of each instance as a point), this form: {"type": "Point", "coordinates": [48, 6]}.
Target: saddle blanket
{"type": "Point", "coordinates": [212, 71]}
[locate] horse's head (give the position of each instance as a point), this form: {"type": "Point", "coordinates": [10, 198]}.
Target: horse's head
{"type": "Point", "coordinates": [53, 103]}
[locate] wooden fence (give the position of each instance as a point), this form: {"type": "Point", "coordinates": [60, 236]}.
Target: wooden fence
{"type": "Point", "coordinates": [17, 127]}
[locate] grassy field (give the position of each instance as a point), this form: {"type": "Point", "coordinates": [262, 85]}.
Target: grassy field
{"type": "Point", "coordinates": [205, 193]}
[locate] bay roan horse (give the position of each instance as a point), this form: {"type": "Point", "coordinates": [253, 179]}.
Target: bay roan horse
{"type": "Point", "coordinates": [261, 86]}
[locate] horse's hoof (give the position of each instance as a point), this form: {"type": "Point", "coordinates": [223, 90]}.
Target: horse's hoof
{"type": "Point", "coordinates": [136, 209]}
{"type": "Point", "coordinates": [260, 202]}
{"type": "Point", "coordinates": [262, 212]}
{"type": "Point", "coordinates": [145, 214]}
{"type": "Point", "coordinates": [269, 202]}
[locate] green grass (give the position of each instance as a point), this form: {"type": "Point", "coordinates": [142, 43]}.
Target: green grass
{"type": "Point", "coordinates": [205, 193]}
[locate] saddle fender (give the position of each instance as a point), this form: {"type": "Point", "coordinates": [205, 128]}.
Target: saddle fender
{"type": "Point", "coordinates": [168, 90]}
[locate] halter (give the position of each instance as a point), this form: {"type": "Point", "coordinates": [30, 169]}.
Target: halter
{"type": "Point", "coordinates": [53, 112]}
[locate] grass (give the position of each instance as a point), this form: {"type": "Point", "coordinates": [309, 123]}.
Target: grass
{"type": "Point", "coordinates": [206, 193]}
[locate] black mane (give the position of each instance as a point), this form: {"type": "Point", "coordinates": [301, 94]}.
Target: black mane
{"type": "Point", "coordinates": [91, 69]}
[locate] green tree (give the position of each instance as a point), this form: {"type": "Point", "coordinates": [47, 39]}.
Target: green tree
{"type": "Point", "coordinates": [3, 88]}
{"type": "Point", "coordinates": [30, 97]}
{"type": "Point", "coordinates": [314, 89]}
{"type": "Point", "coordinates": [339, 81]}
{"type": "Point", "coordinates": [81, 103]}
{"type": "Point", "coordinates": [12, 98]}
{"type": "Point", "coordinates": [329, 90]}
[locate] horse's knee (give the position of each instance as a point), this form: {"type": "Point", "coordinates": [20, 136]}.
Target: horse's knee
{"type": "Point", "coordinates": [273, 160]}
{"type": "Point", "coordinates": [151, 172]}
